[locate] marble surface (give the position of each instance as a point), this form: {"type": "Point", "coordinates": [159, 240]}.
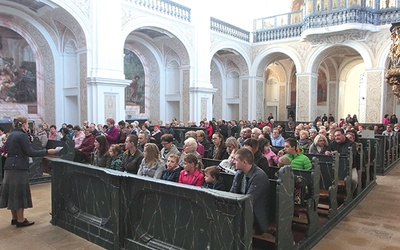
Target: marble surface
{"type": "Point", "coordinates": [118, 210]}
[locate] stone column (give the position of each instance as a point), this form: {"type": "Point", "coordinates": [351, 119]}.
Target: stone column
{"type": "Point", "coordinates": [201, 90]}
{"type": "Point", "coordinates": [375, 95]}
{"type": "Point", "coordinates": [106, 80]}
{"type": "Point", "coordinates": [306, 97]}
{"type": "Point", "coordinates": [253, 94]}
{"type": "Point", "coordinates": [332, 98]}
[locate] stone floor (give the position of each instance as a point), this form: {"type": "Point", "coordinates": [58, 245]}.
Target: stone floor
{"type": "Point", "coordinates": [373, 224]}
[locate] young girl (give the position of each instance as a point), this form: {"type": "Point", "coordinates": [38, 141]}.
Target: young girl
{"type": "Point", "coordinates": [191, 174]}
{"type": "Point", "coordinates": [116, 157]}
{"type": "Point", "coordinates": [173, 169]}
{"type": "Point", "coordinates": [265, 147]}
{"type": "Point", "coordinates": [151, 165]}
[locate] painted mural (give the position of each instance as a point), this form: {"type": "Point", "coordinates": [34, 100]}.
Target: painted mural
{"type": "Point", "coordinates": [17, 69]}
{"type": "Point", "coordinates": [135, 92]}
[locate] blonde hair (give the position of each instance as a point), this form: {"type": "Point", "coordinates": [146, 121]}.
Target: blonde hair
{"type": "Point", "coordinates": [304, 132]}
{"type": "Point", "coordinates": [152, 153]}
{"type": "Point", "coordinates": [175, 156]}
{"type": "Point", "coordinates": [283, 161]}
{"type": "Point", "coordinates": [19, 120]}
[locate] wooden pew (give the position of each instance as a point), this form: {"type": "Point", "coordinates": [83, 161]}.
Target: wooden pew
{"type": "Point", "coordinates": [207, 162]}
{"type": "Point", "coordinates": [366, 178]}
{"type": "Point", "coordinates": [312, 178]}
{"type": "Point", "coordinates": [361, 161]}
{"type": "Point", "coordinates": [280, 213]}
{"type": "Point", "coordinates": [380, 162]}
{"type": "Point", "coordinates": [329, 166]}
{"type": "Point", "coordinates": [344, 176]}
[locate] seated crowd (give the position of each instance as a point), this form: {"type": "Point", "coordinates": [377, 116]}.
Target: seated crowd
{"type": "Point", "coordinates": [246, 149]}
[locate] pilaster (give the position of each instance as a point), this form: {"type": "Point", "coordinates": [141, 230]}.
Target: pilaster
{"type": "Point", "coordinates": [201, 46]}
{"type": "Point", "coordinates": [255, 97]}
{"type": "Point", "coordinates": [107, 55]}
{"type": "Point", "coordinates": [306, 97]}
{"type": "Point", "coordinates": [106, 96]}
{"type": "Point", "coordinates": [375, 95]}
{"type": "Point", "coordinates": [201, 103]}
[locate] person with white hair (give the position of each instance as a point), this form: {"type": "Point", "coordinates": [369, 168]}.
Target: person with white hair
{"type": "Point", "coordinates": [189, 147]}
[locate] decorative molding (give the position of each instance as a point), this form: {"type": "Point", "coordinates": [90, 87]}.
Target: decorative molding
{"type": "Point", "coordinates": [303, 49]}
{"type": "Point", "coordinates": [82, 5]}
{"type": "Point", "coordinates": [338, 37]}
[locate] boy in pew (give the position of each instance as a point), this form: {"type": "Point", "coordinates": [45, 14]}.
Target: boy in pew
{"type": "Point", "coordinates": [296, 156]}
{"type": "Point", "coordinates": [283, 161]}
{"type": "Point", "coordinates": [173, 169]}
{"type": "Point", "coordinates": [213, 179]}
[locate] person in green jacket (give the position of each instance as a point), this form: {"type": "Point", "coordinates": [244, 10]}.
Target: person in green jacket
{"type": "Point", "coordinates": [296, 156]}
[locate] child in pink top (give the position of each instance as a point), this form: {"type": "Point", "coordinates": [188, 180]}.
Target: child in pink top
{"type": "Point", "coordinates": [265, 147]}
{"type": "Point", "coordinates": [191, 174]}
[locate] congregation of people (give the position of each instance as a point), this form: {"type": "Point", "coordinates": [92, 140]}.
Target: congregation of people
{"type": "Point", "coordinates": [245, 149]}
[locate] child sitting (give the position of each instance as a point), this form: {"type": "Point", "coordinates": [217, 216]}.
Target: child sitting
{"type": "Point", "coordinates": [265, 147]}
{"type": "Point", "coordinates": [116, 157]}
{"type": "Point", "coordinates": [173, 169]}
{"type": "Point", "coordinates": [191, 174]}
{"type": "Point", "coordinates": [212, 178]}
{"type": "Point", "coordinates": [283, 161]}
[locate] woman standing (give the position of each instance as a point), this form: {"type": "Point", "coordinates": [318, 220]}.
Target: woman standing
{"type": "Point", "coordinates": [16, 193]}
{"type": "Point", "coordinates": [151, 165]}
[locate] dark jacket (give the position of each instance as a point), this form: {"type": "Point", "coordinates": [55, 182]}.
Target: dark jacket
{"type": "Point", "coordinates": [19, 150]}
{"type": "Point", "coordinates": [87, 145]}
{"type": "Point", "coordinates": [218, 185]}
{"type": "Point", "coordinates": [171, 175]}
{"type": "Point", "coordinates": [131, 163]}
{"type": "Point", "coordinates": [257, 185]}
{"type": "Point", "coordinates": [261, 161]}
{"type": "Point", "coordinates": [220, 155]}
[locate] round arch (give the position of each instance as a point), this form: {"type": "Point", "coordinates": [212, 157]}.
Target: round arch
{"type": "Point", "coordinates": [318, 55]}
{"type": "Point", "coordinates": [229, 45]}
{"type": "Point", "coordinates": [384, 55]}
{"type": "Point", "coordinates": [44, 50]}
{"type": "Point", "coordinates": [261, 56]}
{"type": "Point", "coordinates": [78, 13]}
{"type": "Point", "coordinates": [135, 24]}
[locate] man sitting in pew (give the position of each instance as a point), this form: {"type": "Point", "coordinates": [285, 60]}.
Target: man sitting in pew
{"type": "Point", "coordinates": [296, 156]}
{"type": "Point", "coordinates": [341, 145]}
{"type": "Point", "coordinates": [250, 179]}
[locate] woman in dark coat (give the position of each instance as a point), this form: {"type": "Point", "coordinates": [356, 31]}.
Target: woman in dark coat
{"type": "Point", "coordinates": [15, 192]}
{"type": "Point", "coordinates": [218, 149]}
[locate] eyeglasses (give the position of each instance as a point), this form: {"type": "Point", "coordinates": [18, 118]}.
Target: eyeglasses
{"type": "Point", "coordinates": [165, 142]}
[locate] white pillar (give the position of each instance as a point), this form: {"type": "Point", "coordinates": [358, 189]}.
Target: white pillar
{"type": "Point", "coordinates": [306, 97]}
{"type": "Point", "coordinates": [106, 80]}
{"type": "Point", "coordinates": [201, 90]}
{"type": "Point", "coordinates": [107, 54]}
